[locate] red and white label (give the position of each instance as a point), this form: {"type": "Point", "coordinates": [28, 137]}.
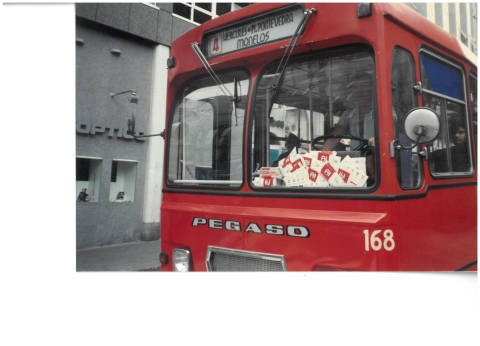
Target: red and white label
{"type": "Point", "coordinates": [267, 182]}
{"type": "Point", "coordinates": [345, 175]}
{"type": "Point", "coordinates": [324, 156]}
{"type": "Point", "coordinates": [215, 45]}
{"type": "Point", "coordinates": [327, 171]}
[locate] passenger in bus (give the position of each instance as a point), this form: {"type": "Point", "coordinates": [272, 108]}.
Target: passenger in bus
{"type": "Point", "coordinates": [458, 152]}
{"type": "Point", "coordinates": [358, 121]}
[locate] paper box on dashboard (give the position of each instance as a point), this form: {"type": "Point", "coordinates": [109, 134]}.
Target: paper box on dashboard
{"type": "Point", "coordinates": [266, 182]}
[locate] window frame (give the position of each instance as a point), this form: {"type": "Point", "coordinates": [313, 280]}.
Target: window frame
{"type": "Point", "coordinates": [415, 151]}
{"type": "Point", "coordinates": [177, 99]}
{"type": "Point", "coordinates": [96, 184]}
{"type": "Point", "coordinates": [123, 187]}
{"type": "Point", "coordinates": [333, 191]}
{"type": "Point", "coordinates": [455, 65]}
{"type": "Point", "coordinates": [473, 75]}
{"type": "Point", "coordinates": [213, 13]}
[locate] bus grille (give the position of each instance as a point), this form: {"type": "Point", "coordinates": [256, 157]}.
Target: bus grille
{"type": "Point", "coordinates": [228, 260]}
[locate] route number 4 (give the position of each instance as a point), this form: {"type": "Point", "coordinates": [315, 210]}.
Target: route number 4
{"type": "Point", "coordinates": [216, 47]}
{"type": "Point", "coordinates": [375, 242]}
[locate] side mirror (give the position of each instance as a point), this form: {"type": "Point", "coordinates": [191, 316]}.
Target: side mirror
{"type": "Point", "coordinates": [421, 126]}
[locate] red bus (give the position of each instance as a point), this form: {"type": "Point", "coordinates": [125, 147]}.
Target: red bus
{"type": "Point", "coordinates": [320, 137]}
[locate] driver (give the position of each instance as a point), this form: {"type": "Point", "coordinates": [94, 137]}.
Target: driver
{"type": "Point", "coordinates": [358, 121]}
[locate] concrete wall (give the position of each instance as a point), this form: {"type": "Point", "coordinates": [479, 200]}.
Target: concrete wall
{"type": "Point", "coordinates": [157, 25]}
{"type": "Point", "coordinates": [142, 34]}
{"type": "Point", "coordinates": [99, 73]}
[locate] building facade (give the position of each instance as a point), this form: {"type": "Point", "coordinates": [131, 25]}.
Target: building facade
{"type": "Point", "coordinates": [121, 55]}
{"type": "Point", "coordinates": [459, 19]}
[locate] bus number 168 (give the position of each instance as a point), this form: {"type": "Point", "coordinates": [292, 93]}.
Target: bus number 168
{"type": "Point", "coordinates": [374, 242]}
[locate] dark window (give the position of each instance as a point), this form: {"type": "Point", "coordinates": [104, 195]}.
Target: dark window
{"type": "Point", "coordinates": [113, 176]}
{"type": "Point", "coordinates": [409, 172]}
{"type": "Point", "coordinates": [83, 169]}
{"type": "Point", "coordinates": [182, 10]}
{"type": "Point", "coordinates": [200, 17]}
{"type": "Point", "coordinates": [204, 5]}
{"type": "Point", "coordinates": [223, 7]}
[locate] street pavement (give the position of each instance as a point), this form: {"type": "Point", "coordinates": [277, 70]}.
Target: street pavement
{"type": "Point", "coordinates": [128, 257]}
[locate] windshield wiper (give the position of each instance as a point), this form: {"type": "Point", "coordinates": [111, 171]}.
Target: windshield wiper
{"type": "Point", "coordinates": [217, 80]}
{"type": "Point", "coordinates": [288, 51]}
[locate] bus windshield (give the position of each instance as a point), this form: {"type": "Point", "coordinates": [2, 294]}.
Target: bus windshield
{"type": "Point", "coordinates": [205, 141]}
{"type": "Point", "coordinates": [314, 130]}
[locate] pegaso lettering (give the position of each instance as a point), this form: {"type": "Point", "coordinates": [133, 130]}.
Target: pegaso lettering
{"type": "Point", "coordinates": [252, 227]}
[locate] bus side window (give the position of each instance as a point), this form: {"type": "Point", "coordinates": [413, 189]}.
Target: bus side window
{"type": "Point", "coordinates": [450, 153]}
{"type": "Point", "coordinates": [409, 171]}
{"type": "Point", "coordinates": [474, 102]}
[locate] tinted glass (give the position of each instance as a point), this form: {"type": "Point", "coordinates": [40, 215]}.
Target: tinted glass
{"type": "Point", "coordinates": [409, 171]}
{"type": "Point", "coordinates": [450, 154]}
{"type": "Point", "coordinates": [200, 17]}
{"type": "Point", "coordinates": [182, 10]}
{"type": "Point", "coordinates": [223, 7]}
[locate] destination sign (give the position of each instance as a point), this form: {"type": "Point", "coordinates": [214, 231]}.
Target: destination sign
{"type": "Point", "coordinates": [262, 30]}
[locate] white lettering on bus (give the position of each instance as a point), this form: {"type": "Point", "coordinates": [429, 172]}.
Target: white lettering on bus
{"type": "Point", "coordinates": [375, 243]}
{"type": "Point", "coordinates": [252, 227]}
{"type": "Point", "coordinates": [274, 229]}
{"type": "Point", "coordinates": [297, 231]}
{"type": "Point", "coordinates": [232, 226]}
{"type": "Point", "coordinates": [215, 224]}
{"type": "Point", "coordinates": [198, 221]}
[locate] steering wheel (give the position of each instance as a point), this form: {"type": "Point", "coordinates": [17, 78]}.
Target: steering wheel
{"type": "Point", "coordinates": [363, 147]}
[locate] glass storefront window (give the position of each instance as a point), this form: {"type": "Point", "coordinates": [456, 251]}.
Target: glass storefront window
{"type": "Point", "coordinates": [88, 173]}
{"type": "Point", "coordinates": [122, 181]}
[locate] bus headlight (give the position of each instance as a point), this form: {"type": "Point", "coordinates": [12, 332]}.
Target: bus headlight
{"type": "Point", "coordinates": [181, 260]}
